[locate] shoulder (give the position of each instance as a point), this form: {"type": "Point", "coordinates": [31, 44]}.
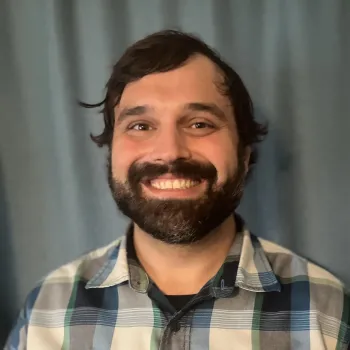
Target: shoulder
{"type": "Point", "coordinates": [312, 296]}
{"type": "Point", "coordinates": [291, 267]}
{"type": "Point", "coordinates": [45, 305]}
{"type": "Point", "coordinates": [61, 283]}
{"type": "Point", "coordinates": [325, 294]}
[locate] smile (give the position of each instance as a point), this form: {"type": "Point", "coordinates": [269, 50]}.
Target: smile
{"type": "Point", "coordinates": [173, 184]}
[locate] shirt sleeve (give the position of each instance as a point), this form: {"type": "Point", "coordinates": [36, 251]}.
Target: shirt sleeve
{"type": "Point", "coordinates": [17, 339]}
{"type": "Point", "coordinates": [346, 320]}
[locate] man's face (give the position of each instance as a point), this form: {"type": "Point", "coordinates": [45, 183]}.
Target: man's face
{"type": "Point", "coordinates": [175, 167]}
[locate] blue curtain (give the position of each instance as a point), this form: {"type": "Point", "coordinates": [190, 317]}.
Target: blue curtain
{"type": "Point", "coordinates": [294, 57]}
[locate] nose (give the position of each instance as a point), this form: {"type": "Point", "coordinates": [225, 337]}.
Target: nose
{"type": "Point", "coordinates": [169, 146]}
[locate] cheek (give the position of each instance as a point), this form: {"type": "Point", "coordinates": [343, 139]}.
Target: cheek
{"type": "Point", "coordinates": [123, 155]}
{"type": "Point", "coordinates": [223, 156]}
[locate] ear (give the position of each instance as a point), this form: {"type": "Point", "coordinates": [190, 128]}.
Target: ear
{"type": "Point", "coordinates": [246, 155]}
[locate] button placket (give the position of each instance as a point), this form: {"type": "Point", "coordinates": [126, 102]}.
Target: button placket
{"type": "Point", "coordinates": [175, 327]}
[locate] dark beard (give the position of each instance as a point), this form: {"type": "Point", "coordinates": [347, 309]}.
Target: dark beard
{"type": "Point", "coordinates": [176, 221]}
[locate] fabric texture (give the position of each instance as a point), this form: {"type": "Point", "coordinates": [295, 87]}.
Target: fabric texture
{"type": "Point", "coordinates": [263, 297]}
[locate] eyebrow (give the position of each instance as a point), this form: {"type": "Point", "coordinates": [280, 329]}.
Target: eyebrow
{"type": "Point", "coordinates": [131, 112]}
{"type": "Point", "coordinates": [211, 108]}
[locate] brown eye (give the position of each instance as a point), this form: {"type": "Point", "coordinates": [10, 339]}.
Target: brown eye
{"type": "Point", "coordinates": [201, 125]}
{"type": "Point", "coordinates": [140, 127]}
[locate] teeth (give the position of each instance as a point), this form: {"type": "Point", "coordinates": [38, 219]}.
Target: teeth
{"type": "Point", "coordinates": [176, 184]}
{"type": "Point", "coordinates": [173, 184]}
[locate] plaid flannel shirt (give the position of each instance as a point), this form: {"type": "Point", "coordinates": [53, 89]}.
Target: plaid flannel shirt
{"type": "Point", "coordinates": [263, 297]}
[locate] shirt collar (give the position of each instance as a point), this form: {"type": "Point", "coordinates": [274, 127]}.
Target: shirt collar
{"type": "Point", "coordinates": [246, 267]}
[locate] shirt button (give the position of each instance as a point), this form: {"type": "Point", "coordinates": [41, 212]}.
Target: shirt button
{"type": "Point", "coordinates": [176, 327]}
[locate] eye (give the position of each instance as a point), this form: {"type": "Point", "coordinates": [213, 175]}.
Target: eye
{"type": "Point", "coordinates": [202, 125]}
{"type": "Point", "coordinates": [140, 127]}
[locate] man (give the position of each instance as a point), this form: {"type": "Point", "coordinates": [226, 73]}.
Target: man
{"type": "Point", "coordinates": [188, 274]}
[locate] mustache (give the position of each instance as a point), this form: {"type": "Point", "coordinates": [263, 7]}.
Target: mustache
{"type": "Point", "coordinates": [180, 168]}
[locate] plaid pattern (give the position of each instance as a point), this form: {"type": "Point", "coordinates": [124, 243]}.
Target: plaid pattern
{"type": "Point", "coordinates": [263, 297]}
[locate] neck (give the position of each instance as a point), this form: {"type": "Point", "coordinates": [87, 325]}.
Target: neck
{"type": "Point", "coordinates": [184, 269]}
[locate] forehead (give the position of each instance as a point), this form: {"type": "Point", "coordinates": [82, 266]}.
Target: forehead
{"type": "Point", "coordinates": [195, 81]}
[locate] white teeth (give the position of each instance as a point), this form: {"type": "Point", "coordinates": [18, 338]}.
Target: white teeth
{"type": "Point", "coordinates": [168, 184]}
{"type": "Point", "coordinates": [173, 184]}
{"type": "Point", "coordinates": [176, 184]}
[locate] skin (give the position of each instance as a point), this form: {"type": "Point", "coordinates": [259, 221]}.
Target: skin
{"type": "Point", "coordinates": [179, 114]}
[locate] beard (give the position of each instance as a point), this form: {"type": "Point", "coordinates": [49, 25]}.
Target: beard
{"type": "Point", "coordinates": [178, 221]}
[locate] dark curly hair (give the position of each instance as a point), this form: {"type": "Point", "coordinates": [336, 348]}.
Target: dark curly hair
{"type": "Point", "coordinates": [167, 50]}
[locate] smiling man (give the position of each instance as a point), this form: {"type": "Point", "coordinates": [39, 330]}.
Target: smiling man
{"type": "Point", "coordinates": [187, 274]}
